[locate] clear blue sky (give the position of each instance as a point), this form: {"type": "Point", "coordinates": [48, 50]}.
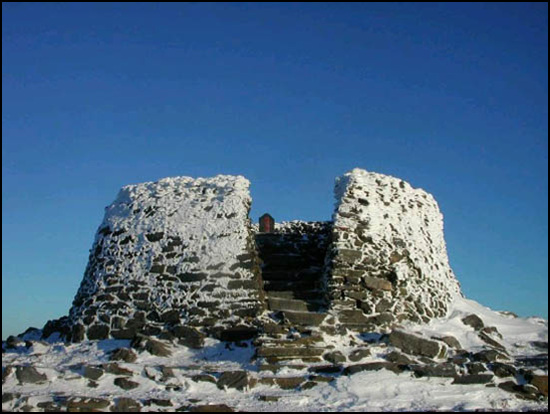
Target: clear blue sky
{"type": "Point", "coordinates": [452, 98]}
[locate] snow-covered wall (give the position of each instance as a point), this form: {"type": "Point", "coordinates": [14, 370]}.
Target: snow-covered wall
{"type": "Point", "coordinates": [388, 260]}
{"type": "Point", "coordinates": [176, 251]}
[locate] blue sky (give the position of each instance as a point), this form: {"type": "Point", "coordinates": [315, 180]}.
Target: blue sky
{"type": "Point", "coordinates": [452, 98]}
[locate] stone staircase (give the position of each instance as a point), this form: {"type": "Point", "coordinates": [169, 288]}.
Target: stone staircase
{"type": "Point", "coordinates": [292, 273]}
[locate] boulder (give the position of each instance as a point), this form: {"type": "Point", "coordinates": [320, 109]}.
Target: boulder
{"type": "Point", "coordinates": [29, 375]}
{"type": "Point", "coordinates": [123, 354]}
{"type": "Point", "coordinates": [234, 379]}
{"type": "Point", "coordinates": [502, 370]}
{"type": "Point", "coordinates": [92, 373]}
{"type": "Point", "coordinates": [474, 321]}
{"type": "Point", "coordinates": [450, 341]}
{"type": "Point", "coordinates": [335, 357]}
{"type": "Point", "coordinates": [6, 372]}
{"type": "Point", "coordinates": [541, 382]}
{"type": "Point", "coordinates": [125, 383]}
{"type": "Point", "coordinates": [358, 354]}
{"type": "Point", "coordinates": [489, 355]}
{"type": "Point", "coordinates": [416, 345]}
{"type": "Point", "coordinates": [188, 336]}
{"type": "Point", "coordinates": [398, 358]}
{"type": "Point", "coordinates": [154, 347]}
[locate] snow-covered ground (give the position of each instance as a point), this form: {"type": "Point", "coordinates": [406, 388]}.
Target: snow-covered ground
{"type": "Point", "coordinates": [364, 391]}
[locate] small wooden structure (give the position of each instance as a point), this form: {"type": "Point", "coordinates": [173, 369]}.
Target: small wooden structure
{"type": "Point", "coordinates": [267, 224]}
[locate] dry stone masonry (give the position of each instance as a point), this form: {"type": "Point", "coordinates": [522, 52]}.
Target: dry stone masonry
{"type": "Point", "coordinates": [170, 254]}
{"type": "Point", "coordinates": [179, 258]}
{"type": "Point", "coordinates": [296, 306]}
{"type": "Point", "coordinates": [388, 260]}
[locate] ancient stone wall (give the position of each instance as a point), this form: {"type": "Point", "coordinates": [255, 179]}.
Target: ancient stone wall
{"type": "Point", "coordinates": [175, 252]}
{"type": "Point", "coordinates": [388, 260]}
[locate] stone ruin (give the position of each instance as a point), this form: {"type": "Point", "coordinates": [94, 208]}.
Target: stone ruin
{"type": "Point", "coordinates": [181, 256]}
{"type": "Point", "coordinates": [178, 260]}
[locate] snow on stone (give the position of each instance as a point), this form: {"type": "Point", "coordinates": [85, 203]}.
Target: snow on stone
{"type": "Point", "coordinates": [389, 232]}
{"type": "Point", "coordinates": [176, 244]}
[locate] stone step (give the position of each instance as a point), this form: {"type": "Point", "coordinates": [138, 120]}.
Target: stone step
{"type": "Point", "coordinates": [316, 296]}
{"type": "Point", "coordinates": [289, 352]}
{"type": "Point", "coordinates": [304, 318]}
{"type": "Point", "coordinates": [281, 304]}
{"type": "Point", "coordinates": [289, 275]}
{"type": "Point", "coordinates": [298, 285]}
{"type": "Point", "coordinates": [289, 342]}
{"type": "Point", "coordinates": [284, 259]}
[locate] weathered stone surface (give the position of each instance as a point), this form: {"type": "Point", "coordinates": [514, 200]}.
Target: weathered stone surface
{"type": "Point", "coordinates": [154, 347]}
{"type": "Point", "coordinates": [336, 357]}
{"type": "Point", "coordinates": [358, 354]}
{"type": "Point", "coordinates": [489, 356]}
{"type": "Point", "coordinates": [78, 333]}
{"type": "Point", "coordinates": [438, 370]}
{"type": "Point", "coordinates": [349, 256]}
{"type": "Point", "coordinates": [60, 326]}
{"type": "Point", "coordinates": [371, 366]}
{"type": "Point", "coordinates": [388, 247]}
{"type": "Point", "coordinates": [269, 398]}
{"type": "Point", "coordinates": [125, 383]}
{"type": "Point", "coordinates": [29, 375]}
{"type": "Point", "coordinates": [172, 316]}
{"type": "Point", "coordinates": [290, 351]}
{"type": "Point", "coordinates": [123, 354]}
{"type": "Point", "coordinates": [159, 402]}
{"type": "Point", "coordinates": [234, 379]}
{"type": "Point", "coordinates": [474, 321]}
{"type": "Point", "coordinates": [475, 368]}
{"type": "Point", "coordinates": [398, 358]}
{"type": "Point", "coordinates": [85, 404]}
{"type": "Point", "coordinates": [143, 253]}
{"type": "Point", "coordinates": [188, 336]}
{"type": "Point", "coordinates": [325, 369]}
{"type": "Point", "coordinates": [353, 317]}
{"type": "Point", "coordinates": [126, 405]}
{"type": "Point", "coordinates": [541, 382]}
{"type": "Point", "coordinates": [8, 396]}
{"type": "Point", "coordinates": [451, 341]}
{"type": "Point", "coordinates": [305, 318]}
{"type": "Point", "coordinates": [92, 373]}
{"type": "Point", "coordinates": [98, 331]}
{"type": "Point", "coordinates": [6, 372]}
{"type": "Point", "coordinates": [473, 379]}
{"type": "Point", "coordinates": [376, 283]}
{"type": "Point", "coordinates": [492, 342]}
{"type": "Point", "coordinates": [204, 378]}
{"type": "Point", "coordinates": [114, 368]}
{"type": "Point", "coordinates": [415, 345]}
{"type": "Point", "coordinates": [503, 370]}
{"type": "Point", "coordinates": [128, 333]}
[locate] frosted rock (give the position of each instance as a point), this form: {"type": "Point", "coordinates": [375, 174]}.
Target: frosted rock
{"type": "Point", "coordinates": [388, 251]}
